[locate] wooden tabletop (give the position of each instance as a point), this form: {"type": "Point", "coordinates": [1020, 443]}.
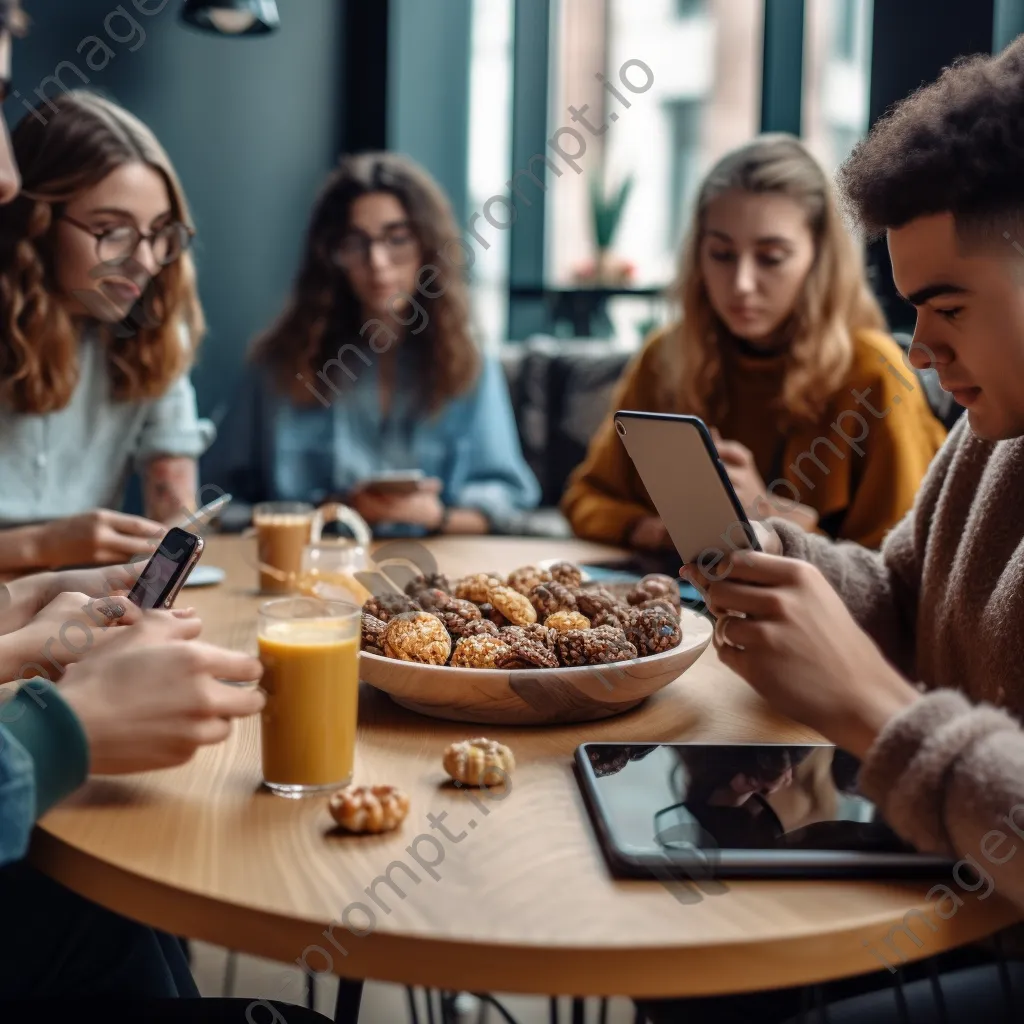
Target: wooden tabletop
{"type": "Point", "coordinates": [506, 894]}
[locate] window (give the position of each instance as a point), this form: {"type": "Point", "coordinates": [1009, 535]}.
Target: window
{"type": "Point", "coordinates": [685, 127]}
{"type": "Point", "coordinates": [837, 75]}
{"type": "Point", "coordinates": [845, 29]}
{"type": "Point", "coordinates": [693, 89]}
{"type": "Point", "coordinates": [690, 8]}
{"type": "Point", "coordinates": [489, 155]}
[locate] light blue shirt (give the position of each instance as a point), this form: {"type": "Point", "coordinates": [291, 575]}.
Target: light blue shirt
{"type": "Point", "coordinates": [270, 449]}
{"type": "Point", "coordinates": [80, 457]}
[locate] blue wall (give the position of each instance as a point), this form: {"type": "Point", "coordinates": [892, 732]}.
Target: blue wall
{"type": "Point", "coordinates": [428, 90]}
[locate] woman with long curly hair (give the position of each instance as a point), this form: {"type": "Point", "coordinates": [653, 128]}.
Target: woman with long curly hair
{"type": "Point", "coordinates": [372, 369]}
{"type": "Point", "coordinates": [99, 323]}
{"type": "Point", "coordinates": [782, 350]}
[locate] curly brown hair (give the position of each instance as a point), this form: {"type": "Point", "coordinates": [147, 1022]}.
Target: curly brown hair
{"type": "Point", "coordinates": [835, 302]}
{"type": "Point", "coordinates": [84, 138]}
{"type": "Point", "coordinates": [324, 314]}
{"type": "Point", "coordinates": [952, 146]}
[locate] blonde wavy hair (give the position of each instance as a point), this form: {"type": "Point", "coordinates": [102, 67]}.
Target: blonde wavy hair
{"type": "Point", "coordinates": [75, 142]}
{"type": "Point", "coordinates": [834, 303]}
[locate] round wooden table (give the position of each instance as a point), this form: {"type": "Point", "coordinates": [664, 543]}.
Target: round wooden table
{"type": "Point", "coordinates": [503, 893]}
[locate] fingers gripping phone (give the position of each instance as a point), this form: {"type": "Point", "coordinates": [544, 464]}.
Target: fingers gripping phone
{"type": "Point", "coordinates": [690, 487]}
{"type": "Point", "coordinates": [167, 570]}
{"type": "Point", "coordinates": [396, 482]}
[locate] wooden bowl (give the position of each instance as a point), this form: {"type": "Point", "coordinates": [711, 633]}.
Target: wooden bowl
{"type": "Point", "coordinates": [544, 696]}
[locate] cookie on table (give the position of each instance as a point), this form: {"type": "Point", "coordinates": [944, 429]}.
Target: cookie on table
{"type": "Point", "coordinates": [478, 762]}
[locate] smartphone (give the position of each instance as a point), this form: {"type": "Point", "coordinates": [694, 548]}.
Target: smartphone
{"type": "Point", "coordinates": [401, 481]}
{"type": "Point", "coordinates": [690, 487]}
{"type": "Point", "coordinates": [167, 570]}
{"type": "Point", "coordinates": [203, 515]}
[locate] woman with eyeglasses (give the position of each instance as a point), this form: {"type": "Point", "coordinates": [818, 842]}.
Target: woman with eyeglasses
{"type": "Point", "coordinates": [99, 324]}
{"type": "Point", "coordinates": [372, 369]}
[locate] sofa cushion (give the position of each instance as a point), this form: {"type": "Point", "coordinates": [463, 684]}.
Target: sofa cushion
{"type": "Point", "coordinates": [561, 391]}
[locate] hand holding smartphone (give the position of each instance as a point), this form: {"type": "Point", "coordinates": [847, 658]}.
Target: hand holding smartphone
{"type": "Point", "coordinates": [404, 481]}
{"type": "Point", "coordinates": [165, 573]}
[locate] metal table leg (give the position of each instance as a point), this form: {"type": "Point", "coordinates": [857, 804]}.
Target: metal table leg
{"type": "Point", "coordinates": [350, 995]}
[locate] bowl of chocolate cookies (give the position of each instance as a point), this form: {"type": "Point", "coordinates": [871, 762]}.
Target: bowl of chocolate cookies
{"type": "Point", "coordinates": [538, 646]}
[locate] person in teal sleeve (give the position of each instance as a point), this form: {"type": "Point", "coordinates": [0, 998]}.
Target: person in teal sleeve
{"type": "Point", "coordinates": [372, 368]}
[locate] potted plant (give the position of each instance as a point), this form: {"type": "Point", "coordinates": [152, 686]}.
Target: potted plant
{"type": "Point", "coordinates": [606, 215]}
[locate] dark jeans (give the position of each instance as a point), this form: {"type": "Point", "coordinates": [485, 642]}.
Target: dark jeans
{"type": "Point", "coordinates": [56, 944]}
{"type": "Point", "coordinates": [59, 951]}
{"type": "Point", "coordinates": [172, 1011]}
{"type": "Point", "coordinates": [964, 985]}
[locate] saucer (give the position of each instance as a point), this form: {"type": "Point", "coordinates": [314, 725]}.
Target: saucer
{"type": "Point", "coordinates": [205, 576]}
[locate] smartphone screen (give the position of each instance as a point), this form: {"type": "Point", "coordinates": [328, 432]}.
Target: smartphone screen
{"type": "Point", "coordinates": [166, 571]}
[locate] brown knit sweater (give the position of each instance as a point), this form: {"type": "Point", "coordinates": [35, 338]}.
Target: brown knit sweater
{"type": "Point", "coordinates": [944, 600]}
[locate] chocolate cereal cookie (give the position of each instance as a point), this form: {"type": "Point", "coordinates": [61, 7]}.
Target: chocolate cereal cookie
{"type": "Point", "coordinates": [600, 646]}
{"type": "Point", "coordinates": [373, 631]}
{"type": "Point", "coordinates": [548, 598]}
{"type": "Point", "coordinates": [432, 581]}
{"type": "Point", "coordinates": [567, 574]}
{"type": "Point", "coordinates": [385, 606]}
{"type": "Point", "coordinates": [655, 585]}
{"type": "Point", "coordinates": [479, 627]}
{"type": "Point", "coordinates": [526, 578]}
{"type": "Point", "coordinates": [527, 654]}
{"type": "Point", "coordinates": [653, 630]}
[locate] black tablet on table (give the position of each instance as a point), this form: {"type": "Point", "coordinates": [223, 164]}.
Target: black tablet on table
{"type": "Point", "coordinates": [703, 811]}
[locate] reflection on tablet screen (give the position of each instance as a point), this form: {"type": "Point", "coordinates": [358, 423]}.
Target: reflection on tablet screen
{"type": "Point", "coordinates": [681, 798]}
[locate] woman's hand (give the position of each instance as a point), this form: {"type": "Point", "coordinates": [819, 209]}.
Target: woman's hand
{"type": "Point", "coordinates": [24, 597]}
{"type": "Point", "coordinates": [649, 534]}
{"type": "Point", "coordinates": [422, 507]}
{"type": "Point", "coordinates": [148, 702]}
{"type": "Point", "coordinates": [751, 490]}
{"type": "Point", "coordinates": [100, 537]}
{"type": "Point", "coordinates": [799, 647]}
{"type": "Point", "coordinates": [72, 626]}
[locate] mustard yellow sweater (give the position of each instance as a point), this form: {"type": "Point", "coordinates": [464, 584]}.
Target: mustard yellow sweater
{"type": "Point", "coordinates": [859, 467]}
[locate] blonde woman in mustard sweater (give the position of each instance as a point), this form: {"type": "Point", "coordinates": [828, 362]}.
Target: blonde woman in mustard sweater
{"type": "Point", "coordinates": [783, 351]}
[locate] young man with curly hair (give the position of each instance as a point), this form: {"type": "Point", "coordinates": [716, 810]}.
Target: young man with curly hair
{"type": "Point", "coordinates": [912, 658]}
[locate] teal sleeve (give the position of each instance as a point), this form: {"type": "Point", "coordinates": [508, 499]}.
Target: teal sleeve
{"type": "Point", "coordinates": [45, 728]}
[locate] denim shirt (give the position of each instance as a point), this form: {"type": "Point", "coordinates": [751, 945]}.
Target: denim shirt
{"type": "Point", "coordinates": [79, 458]}
{"type": "Point", "coordinates": [270, 449]}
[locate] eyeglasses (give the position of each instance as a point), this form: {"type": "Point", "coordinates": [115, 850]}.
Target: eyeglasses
{"type": "Point", "coordinates": [119, 243]}
{"type": "Point", "coordinates": [400, 246]}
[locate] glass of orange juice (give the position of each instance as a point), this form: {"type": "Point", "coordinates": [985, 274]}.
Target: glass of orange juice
{"type": "Point", "coordinates": [310, 653]}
